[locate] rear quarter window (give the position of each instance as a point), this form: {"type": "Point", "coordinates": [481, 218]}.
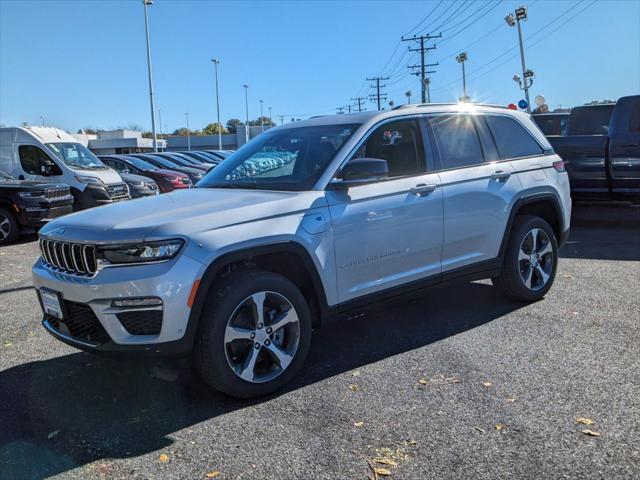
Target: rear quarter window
{"type": "Point", "coordinates": [512, 139]}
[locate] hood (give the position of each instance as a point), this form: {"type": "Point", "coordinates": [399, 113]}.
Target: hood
{"type": "Point", "coordinates": [30, 185]}
{"type": "Point", "coordinates": [107, 175]}
{"type": "Point", "coordinates": [132, 177]}
{"type": "Point", "coordinates": [179, 213]}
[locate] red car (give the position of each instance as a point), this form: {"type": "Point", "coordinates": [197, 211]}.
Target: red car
{"type": "Point", "coordinates": [167, 180]}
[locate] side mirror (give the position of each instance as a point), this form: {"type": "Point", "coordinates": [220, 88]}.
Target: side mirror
{"type": "Point", "coordinates": [359, 171]}
{"type": "Point", "coordinates": [46, 170]}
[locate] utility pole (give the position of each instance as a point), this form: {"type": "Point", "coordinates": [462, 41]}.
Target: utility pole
{"type": "Point", "coordinates": [42, 117]}
{"type": "Point", "coordinates": [378, 96]}
{"type": "Point", "coordinates": [423, 65]}
{"type": "Point", "coordinates": [145, 3]}
{"type": "Point", "coordinates": [527, 75]}
{"type": "Point", "coordinates": [246, 106]}
{"type": "Point", "coordinates": [188, 133]}
{"type": "Point", "coordinates": [160, 122]}
{"type": "Point", "coordinates": [281, 119]}
{"type": "Point", "coordinates": [270, 119]}
{"type": "Point", "coordinates": [261, 116]}
{"type": "Point", "coordinates": [340, 110]}
{"type": "Point", "coordinates": [359, 101]}
{"type": "Point", "coordinates": [461, 58]}
{"type": "Point", "coordinates": [215, 66]}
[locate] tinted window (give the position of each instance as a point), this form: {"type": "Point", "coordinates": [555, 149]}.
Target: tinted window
{"type": "Point", "coordinates": [552, 124]}
{"type": "Point", "coordinates": [511, 138]}
{"type": "Point", "coordinates": [399, 143]}
{"type": "Point", "coordinates": [593, 120]}
{"type": "Point", "coordinates": [33, 159]}
{"type": "Point", "coordinates": [457, 140]}
{"type": "Point", "coordinates": [634, 120]}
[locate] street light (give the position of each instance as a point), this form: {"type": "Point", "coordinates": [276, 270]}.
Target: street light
{"type": "Point", "coordinates": [215, 67]}
{"type": "Point", "coordinates": [270, 120]}
{"type": "Point", "coordinates": [527, 81]}
{"type": "Point", "coordinates": [246, 106]}
{"type": "Point", "coordinates": [461, 58]}
{"type": "Point", "coordinates": [42, 117]}
{"type": "Point", "coordinates": [261, 117]}
{"type": "Point", "coordinates": [408, 95]}
{"type": "Point", "coordinates": [146, 3]}
{"type": "Point", "coordinates": [188, 133]}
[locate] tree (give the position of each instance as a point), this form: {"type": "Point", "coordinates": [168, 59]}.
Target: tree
{"type": "Point", "coordinates": [214, 129]}
{"type": "Point", "coordinates": [600, 102]}
{"type": "Point", "coordinates": [233, 124]}
{"type": "Point", "coordinates": [266, 121]}
{"type": "Point", "coordinates": [182, 132]}
{"type": "Point", "coordinates": [88, 130]}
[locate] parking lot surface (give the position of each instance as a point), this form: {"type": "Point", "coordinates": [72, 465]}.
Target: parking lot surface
{"type": "Point", "coordinates": [457, 383]}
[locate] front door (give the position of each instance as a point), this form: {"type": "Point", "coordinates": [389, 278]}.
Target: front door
{"type": "Point", "coordinates": [389, 232]}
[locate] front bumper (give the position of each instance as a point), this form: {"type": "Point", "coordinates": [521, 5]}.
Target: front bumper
{"type": "Point", "coordinates": [169, 281]}
{"type": "Point", "coordinates": [95, 196]}
{"type": "Point", "coordinates": [36, 217]}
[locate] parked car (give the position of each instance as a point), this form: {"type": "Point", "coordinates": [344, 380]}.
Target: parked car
{"type": "Point", "coordinates": [195, 174]}
{"type": "Point", "coordinates": [552, 123]}
{"type": "Point", "coordinates": [184, 160]}
{"type": "Point", "coordinates": [237, 272]}
{"type": "Point", "coordinates": [220, 154]}
{"type": "Point", "coordinates": [26, 205]}
{"type": "Point", "coordinates": [139, 186]}
{"type": "Point", "coordinates": [602, 150]}
{"type": "Point", "coordinates": [202, 157]}
{"type": "Point", "coordinates": [167, 180]}
{"type": "Point", "coordinates": [47, 154]}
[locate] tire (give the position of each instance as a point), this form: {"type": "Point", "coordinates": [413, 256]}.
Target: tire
{"type": "Point", "coordinates": [528, 274]}
{"type": "Point", "coordinates": [9, 230]}
{"type": "Point", "coordinates": [235, 353]}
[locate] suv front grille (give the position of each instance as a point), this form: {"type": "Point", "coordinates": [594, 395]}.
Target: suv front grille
{"type": "Point", "coordinates": [69, 257]}
{"type": "Point", "coordinates": [118, 191]}
{"type": "Point", "coordinates": [56, 193]}
{"type": "Point", "coordinates": [151, 186]}
{"type": "Point", "coordinates": [141, 322]}
{"type": "Point", "coordinates": [80, 323]}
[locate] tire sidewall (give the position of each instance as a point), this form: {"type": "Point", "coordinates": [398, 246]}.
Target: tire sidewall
{"type": "Point", "coordinates": [211, 360]}
{"type": "Point", "coordinates": [511, 267]}
{"type": "Point", "coordinates": [13, 225]}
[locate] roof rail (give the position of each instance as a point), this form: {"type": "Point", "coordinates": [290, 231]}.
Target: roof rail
{"type": "Point", "coordinates": [416, 105]}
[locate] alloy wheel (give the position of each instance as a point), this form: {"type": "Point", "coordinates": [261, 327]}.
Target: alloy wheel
{"type": "Point", "coordinates": [5, 227]}
{"type": "Point", "coordinates": [535, 259]}
{"type": "Point", "coordinates": [262, 336]}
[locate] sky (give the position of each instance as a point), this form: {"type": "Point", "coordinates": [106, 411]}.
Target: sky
{"type": "Point", "coordinates": [83, 63]}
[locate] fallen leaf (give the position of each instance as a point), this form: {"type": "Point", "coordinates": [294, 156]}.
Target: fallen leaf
{"type": "Point", "coordinates": [499, 426]}
{"type": "Point", "coordinates": [567, 275]}
{"type": "Point", "coordinates": [53, 434]}
{"type": "Point", "coordinates": [8, 344]}
{"type": "Point", "coordinates": [511, 400]}
{"type": "Point", "coordinates": [423, 381]}
{"type": "Point", "coordinates": [479, 429]}
{"type": "Point", "coordinates": [358, 424]}
{"type": "Point", "coordinates": [356, 373]}
{"type": "Point", "coordinates": [353, 387]}
{"type": "Point", "coordinates": [385, 461]}
{"type": "Point", "coordinates": [213, 474]}
{"type": "Point", "coordinates": [584, 421]}
{"type": "Point", "coordinates": [591, 433]}
{"type": "Point", "coordinates": [164, 458]}
{"type": "Point", "coordinates": [412, 442]}
{"type": "Point", "coordinates": [382, 471]}
{"type": "Point", "coordinates": [487, 383]}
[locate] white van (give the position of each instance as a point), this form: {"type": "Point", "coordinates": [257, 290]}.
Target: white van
{"type": "Point", "coordinates": [52, 155]}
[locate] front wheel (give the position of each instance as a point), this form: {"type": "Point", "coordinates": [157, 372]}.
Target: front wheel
{"type": "Point", "coordinates": [530, 261]}
{"type": "Point", "coordinates": [254, 334]}
{"type": "Point", "coordinates": [8, 227]}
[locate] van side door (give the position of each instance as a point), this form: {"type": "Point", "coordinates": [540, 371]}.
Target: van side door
{"type": "Point", "coordinates": [624, 146]}
{"type": "Point", "coordinates": [477, 190]}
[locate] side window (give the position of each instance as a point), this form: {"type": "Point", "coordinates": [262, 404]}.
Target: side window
{"type": "Point", "coordinates": [511, 138]}
{"type": "Point", "coordinates": [400, 144]}
{"type": "Point", "coordinates": [634, 120]}
{"type": "Point", "coordinates": [457, 140]}
{"type": "Point", "coordinates": [35, 162]}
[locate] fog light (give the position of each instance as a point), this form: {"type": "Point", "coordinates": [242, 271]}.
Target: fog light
{"type": "Point", "coordinates": [137, 302]}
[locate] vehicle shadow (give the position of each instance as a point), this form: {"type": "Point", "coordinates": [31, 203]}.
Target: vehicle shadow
{"type": "Point", "coordinates": [62, 413]}
{"type": "Point", "coordinates": [604, 233]}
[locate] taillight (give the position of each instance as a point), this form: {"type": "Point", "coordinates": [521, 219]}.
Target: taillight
{"type": "Point", "coordinates": [559, 166]}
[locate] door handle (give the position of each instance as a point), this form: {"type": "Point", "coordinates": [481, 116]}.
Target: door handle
{"type": "Point", "coordinates": [423, 189]}
{"type": "Point", "coordinates": [500, 175]}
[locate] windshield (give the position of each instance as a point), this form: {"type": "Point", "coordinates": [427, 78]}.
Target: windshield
{"type": "Point", "coordinates": [76, 155]}
{"type": "Point", "coordinates": [289, 159]}
{"type": "Point", "coordinates": [141, 164]}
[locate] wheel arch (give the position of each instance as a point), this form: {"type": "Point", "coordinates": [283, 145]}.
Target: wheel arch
{"type": "Point", "coordinates": [289, 259]}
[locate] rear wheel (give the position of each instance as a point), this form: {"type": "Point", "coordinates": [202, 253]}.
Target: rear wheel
{"type": "Point", "coordinates": [8, 227]}
{"type": "Point", "coordinates": [530, 261]}
{"type": "Point", "coordinates": [254, 336]}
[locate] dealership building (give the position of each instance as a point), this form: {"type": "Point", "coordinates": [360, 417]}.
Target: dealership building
{"type": "Point", "coordinates": [118, 142]}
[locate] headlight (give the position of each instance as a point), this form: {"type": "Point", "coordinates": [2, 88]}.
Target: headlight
{"type": "Point", "coordinates": [141, 252]}
{"type": "Point", "coordinates": [33, 194]}
{"type": "Point", "coordinates": [136, 183]}
{"type": "Point", "coordinates": [89, 180]}
{"type": "Point", "coordinates": [197, 175]}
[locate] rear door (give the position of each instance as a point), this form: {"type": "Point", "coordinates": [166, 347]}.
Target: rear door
{"type": "Point", "coordinates": [477, 189]}
{"type": "Point", "coordinates": [624, 146]}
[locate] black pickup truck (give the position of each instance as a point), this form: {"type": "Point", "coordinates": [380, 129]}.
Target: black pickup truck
{"type": "Point", "coordinates": [26, 206]}
{"type": "Point", "coordinates": [601, 150]}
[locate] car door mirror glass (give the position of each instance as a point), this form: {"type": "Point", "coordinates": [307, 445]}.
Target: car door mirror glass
{"type": "Point", "coordinates": [361, 171]}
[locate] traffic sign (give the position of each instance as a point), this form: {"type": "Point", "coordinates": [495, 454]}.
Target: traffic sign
{"type": "Point", "coordinates": [523, 104]}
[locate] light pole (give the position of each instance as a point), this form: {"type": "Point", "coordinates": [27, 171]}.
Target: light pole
{"type": "Point", "coordinates": [160, 122]}
{"type": "Point", "coordinates": [153, 110]}
{"type": "Point", "coordinates": [246, 106]}
{"type": "Point", "coordinates": [42, 117]}
{"type": "Point", "coordinates": [270, 120]}
{"type": "Point", "coordinates": [408, 95]}
{"type": "Point", "coordinates": [188, 133]}
{"type": "Point", "coordinates": [215, 67]}
{"type": "Point", "coordinates": [261, 116]}
{"type": "Point", "coordinates": [461, 58]}
{"type": "Point", "coordinates": [527, 75]}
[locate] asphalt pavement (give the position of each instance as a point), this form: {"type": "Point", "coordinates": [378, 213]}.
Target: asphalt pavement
{"type": "Point", "coordinates": [456, 383]}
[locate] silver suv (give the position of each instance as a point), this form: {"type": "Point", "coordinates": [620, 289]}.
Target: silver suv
{"type": "Point", "coordinates": [306, 221]}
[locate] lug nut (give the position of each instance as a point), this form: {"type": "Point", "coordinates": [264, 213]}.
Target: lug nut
{"type": "Point", "coordinates": [257, 345]}
{"type": "Point", "coordinates": [253, 335]}
{"type": "Point", "coordinates": [267, 342]}
{"type": "Point", "coordinates": [269, 330]}
{"type": "Point", "coordinates": [260, 325]}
